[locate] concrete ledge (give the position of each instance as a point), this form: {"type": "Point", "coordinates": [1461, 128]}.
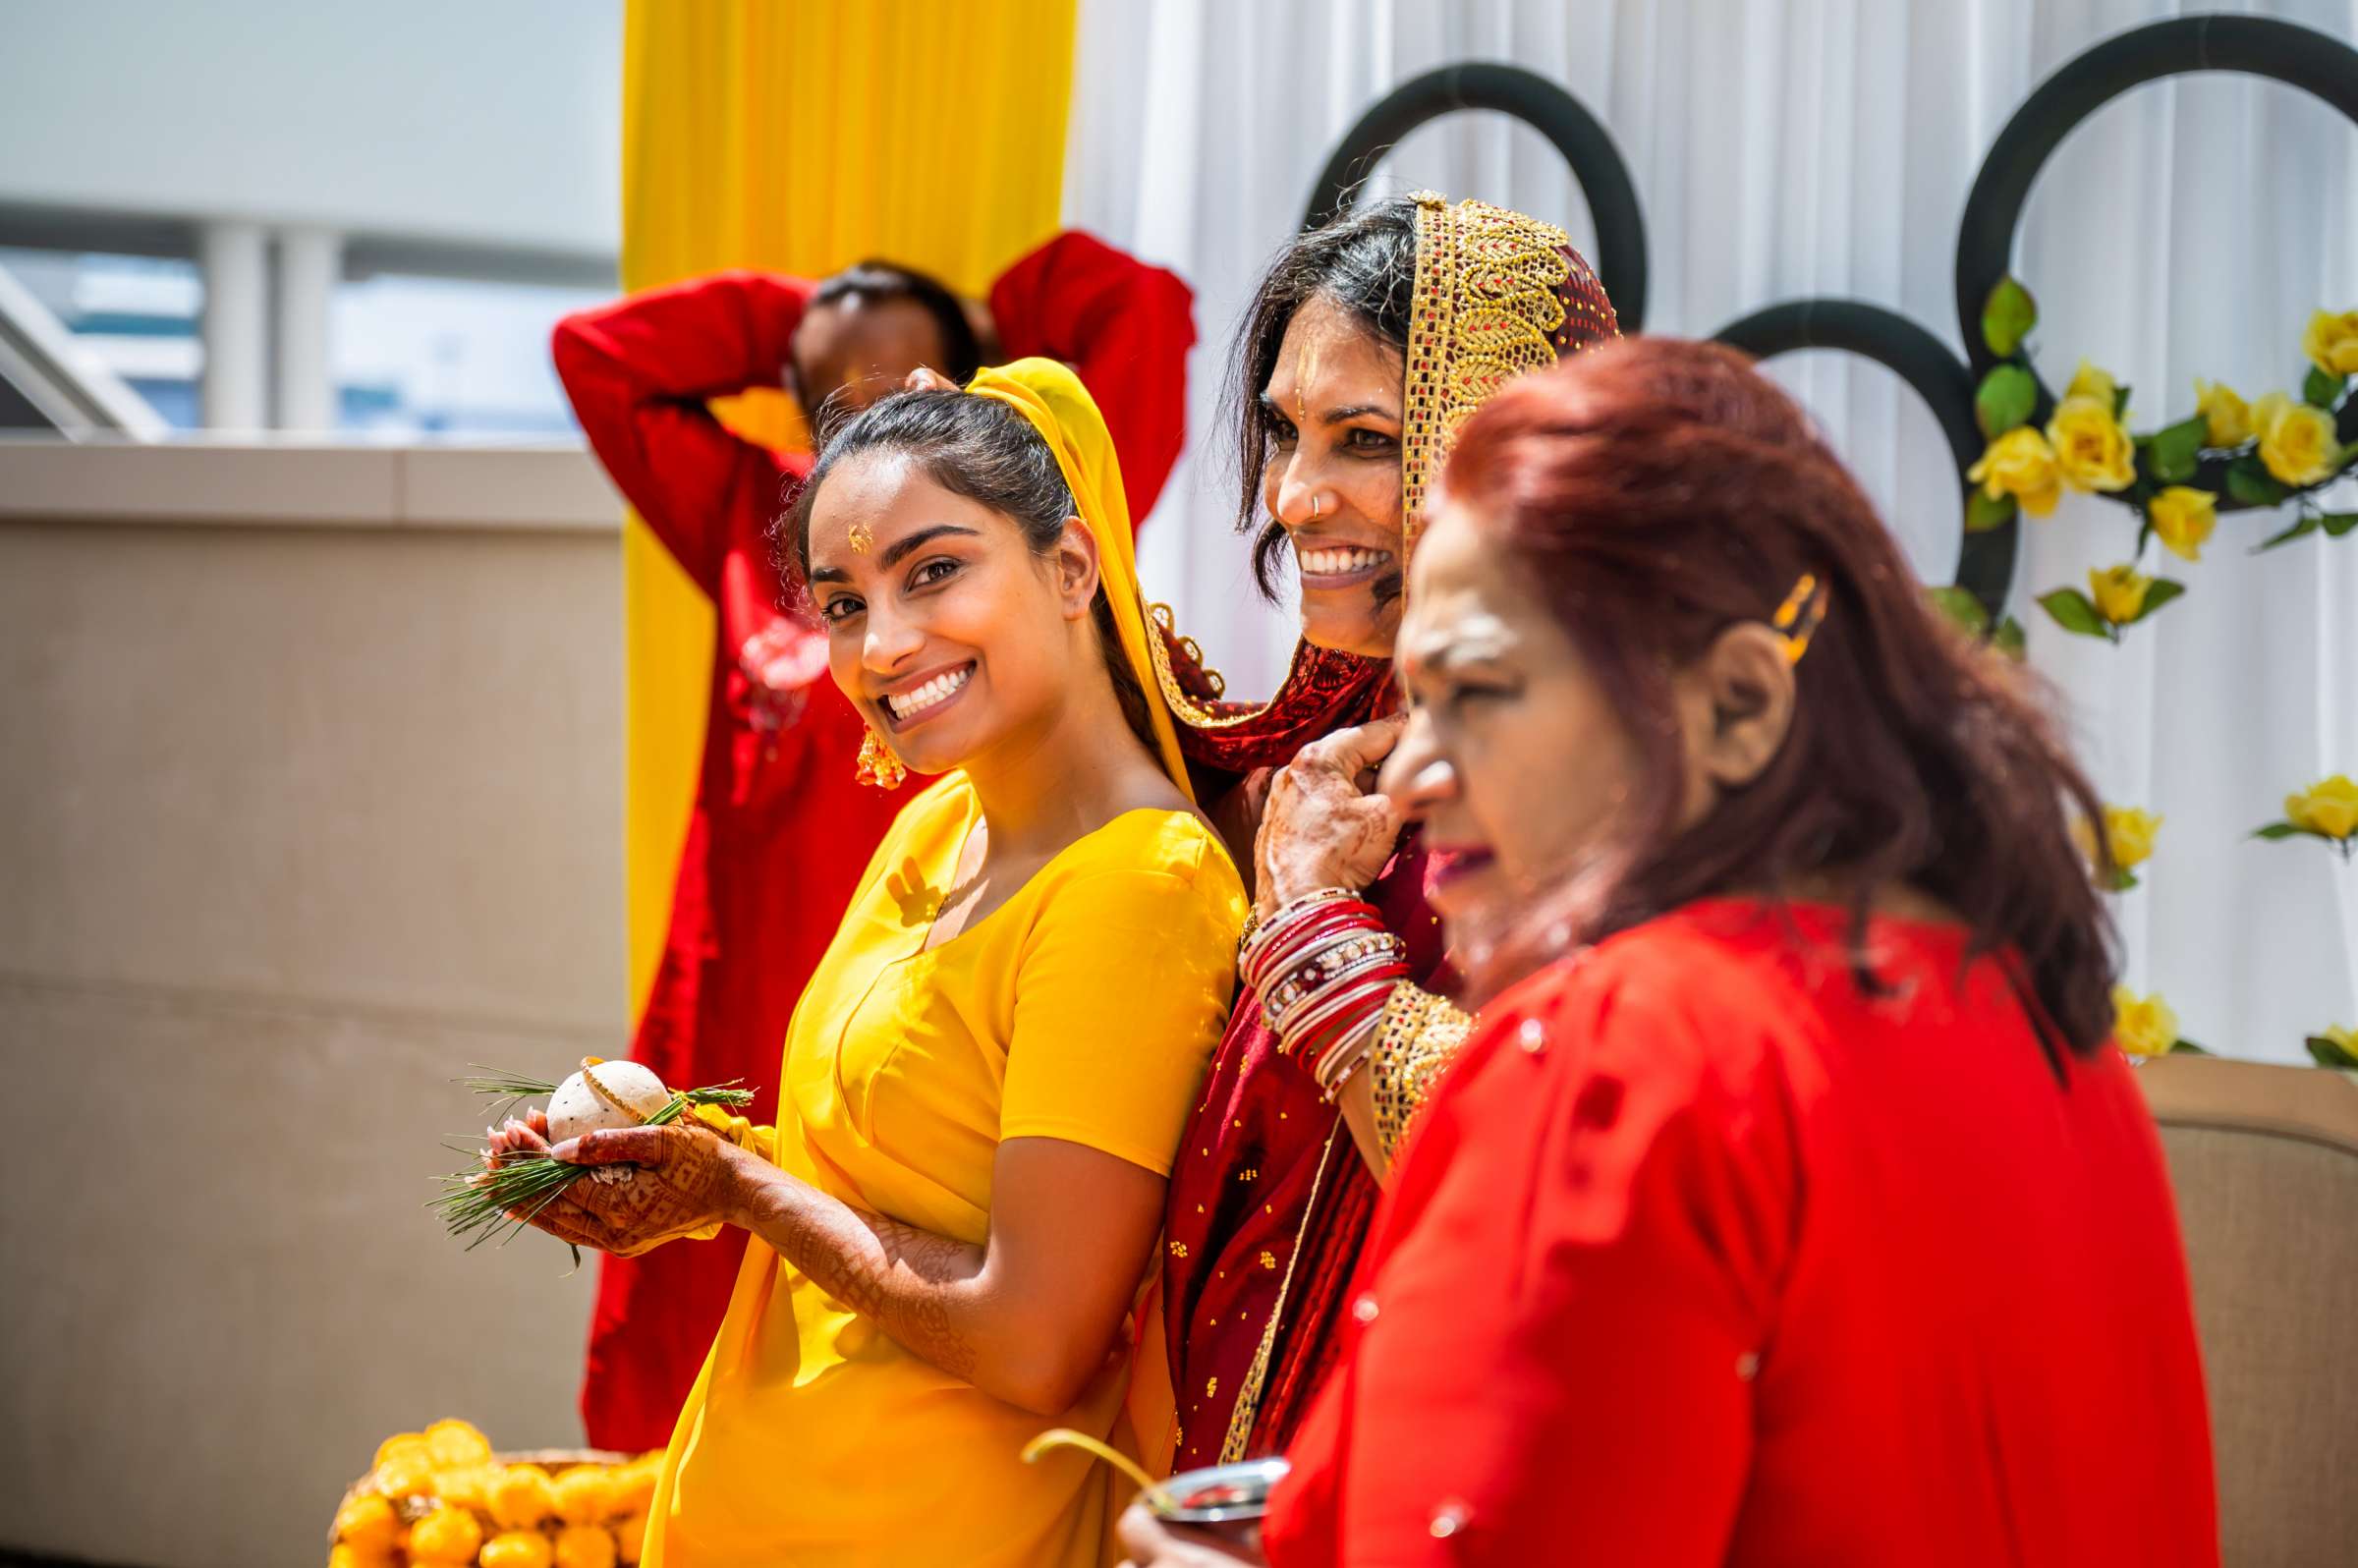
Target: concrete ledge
{"type": "Point", "coordinates": [247, 483]}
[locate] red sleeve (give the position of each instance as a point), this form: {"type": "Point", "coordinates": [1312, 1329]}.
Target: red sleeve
{"type": "Point", "coordinates": [1557, 1354]}
{"type": "Point", "coordinates": [639, 371]}
{"type": "Point", "coordinates": [1126, 327]}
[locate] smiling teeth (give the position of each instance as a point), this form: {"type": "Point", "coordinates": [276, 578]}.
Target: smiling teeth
{"type": "Point", "coordinates": [907, 704]}
{"type": "Point", "coordinates": [1335, 562]}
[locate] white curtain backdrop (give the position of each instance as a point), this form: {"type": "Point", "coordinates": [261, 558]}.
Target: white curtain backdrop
{"type": "Point", "coordinates": [1790, 147]}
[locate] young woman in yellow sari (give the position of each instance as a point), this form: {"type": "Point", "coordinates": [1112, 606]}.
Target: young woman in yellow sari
{"type": "Point", "coordinates": [985, 1082]}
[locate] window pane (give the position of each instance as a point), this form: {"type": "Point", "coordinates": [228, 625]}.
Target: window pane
{"type": "Point", "coordinates": [135, 314]}
{"type": "Point", "coordinates": [418, 356]}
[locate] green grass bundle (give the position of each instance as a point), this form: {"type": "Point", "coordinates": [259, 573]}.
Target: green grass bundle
{"type": "Point", "coordinates": [478, 1203]}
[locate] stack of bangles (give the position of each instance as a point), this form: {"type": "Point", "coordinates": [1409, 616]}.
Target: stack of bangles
{"type": "Point", "coordinates": [1323, 966]}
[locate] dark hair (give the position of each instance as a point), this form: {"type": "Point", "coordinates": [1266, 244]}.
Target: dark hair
{"type": "Point", "coordinates": [873, 282]}
{"type": "Point", "coordinates": [983, 450]}
{"type": "Point", "coordinates": [1657, 492]}
{"type": "Point", "coordinates": [1366, 262]}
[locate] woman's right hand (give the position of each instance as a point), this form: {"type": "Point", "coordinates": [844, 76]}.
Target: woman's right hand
{"type": "Point", "coordinates": [1154, 1544]}
{"type": "Point", "coordinates": [1326, 824]}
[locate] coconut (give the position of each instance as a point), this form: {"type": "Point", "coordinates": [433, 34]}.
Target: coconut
{"type": "Point", "coordinates": [604, 1095]}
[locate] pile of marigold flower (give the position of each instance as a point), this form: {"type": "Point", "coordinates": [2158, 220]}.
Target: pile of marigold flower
{"type": "Point", "coordinates": [442, 1498]}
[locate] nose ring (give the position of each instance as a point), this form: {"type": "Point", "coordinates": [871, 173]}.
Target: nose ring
{"type": "Point", "coordinates": [1316, 504]}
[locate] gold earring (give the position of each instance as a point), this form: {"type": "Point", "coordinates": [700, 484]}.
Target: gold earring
{"type": "Point", "coordinates": [877, 765]}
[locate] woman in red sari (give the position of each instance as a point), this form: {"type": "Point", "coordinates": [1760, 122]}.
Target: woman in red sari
{"type": "Point", "coordinates": [1367, 344]}
{"type": "Point", "coordinates": [1791, 1205]}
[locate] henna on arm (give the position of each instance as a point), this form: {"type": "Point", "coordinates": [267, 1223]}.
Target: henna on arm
{"type": "Point", "coordinates": [896, 1274]}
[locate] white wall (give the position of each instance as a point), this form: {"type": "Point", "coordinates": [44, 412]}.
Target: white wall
{"type": "Point", "coordinates": [454, 120]}
{"type": "Point", "coordinates": [309, 800]}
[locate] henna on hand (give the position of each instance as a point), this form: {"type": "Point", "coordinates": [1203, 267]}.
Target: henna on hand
{"type": "Point", "coordinates": [1326, 825]}
{"type": "Point", "coordinates": [649, 1185]}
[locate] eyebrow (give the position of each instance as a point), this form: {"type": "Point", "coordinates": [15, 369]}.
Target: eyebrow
{"type": "Point", "coordinates": [898, 550]}
{"type": "Point", "coordinates": [1334, 415]}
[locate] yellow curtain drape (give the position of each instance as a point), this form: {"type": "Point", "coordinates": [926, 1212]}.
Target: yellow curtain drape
{"type": "Point", "coordinates": [800, 135]}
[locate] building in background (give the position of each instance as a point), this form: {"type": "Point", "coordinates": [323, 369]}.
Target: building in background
{"type": "Point", "coordinates": [320, 219]}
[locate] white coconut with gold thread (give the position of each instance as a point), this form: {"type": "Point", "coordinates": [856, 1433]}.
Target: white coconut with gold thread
{"type": "Point", "coordinates": [604, 1095]}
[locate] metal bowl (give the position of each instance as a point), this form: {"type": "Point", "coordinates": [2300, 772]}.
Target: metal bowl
{"type": "Point", "coordinates": [1218, 1495]}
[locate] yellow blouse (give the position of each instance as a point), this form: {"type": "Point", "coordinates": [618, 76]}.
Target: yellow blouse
{"type": "Point", "coordinates": [1083, 1008]}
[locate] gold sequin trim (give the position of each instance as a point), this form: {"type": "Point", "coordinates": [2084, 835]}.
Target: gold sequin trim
{"type": "Point", "coordinates": [1416, 1037]}
{"type": "Point", "coordinates": [1486, 306]}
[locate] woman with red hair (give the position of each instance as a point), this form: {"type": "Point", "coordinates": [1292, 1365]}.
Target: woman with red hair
{"type": "Point", "coordinates": [1790, 1203]}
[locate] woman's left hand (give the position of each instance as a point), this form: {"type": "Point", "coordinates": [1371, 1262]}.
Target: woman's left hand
{"type": "Point", "coordinates": [1326, 825]}
{"type": "Point", "coordinates": [687, 1178]}
{"type": "Point", "coordinates": [1153, 1544]}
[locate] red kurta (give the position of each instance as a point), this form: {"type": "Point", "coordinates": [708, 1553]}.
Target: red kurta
{"type": "Point", "coordinates": [1699, 1258]}
{"type": "Point", "coordinates": [780, 831]}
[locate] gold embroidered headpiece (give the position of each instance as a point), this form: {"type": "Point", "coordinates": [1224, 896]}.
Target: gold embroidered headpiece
{"type": "Point", "coordinates": [1495, 294]}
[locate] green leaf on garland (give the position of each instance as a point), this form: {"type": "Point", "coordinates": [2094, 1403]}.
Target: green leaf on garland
{"type": "Point", "coordinates": [2177, 450]}
{"type": "Point", "coordinates": [2308, 524]}
{"type": "Point", "coordinates": [2163, 589]}
{"type": "Point", "coordinates": [2008, 639]}
{"type": "Point", "coordinates": [1960, 606]}
{"type": "Point", "coordinates": [2004, 400]}
{"type": "Point", "coordinates": [2185, 1047]}
{"type": "Point", "coordinates": [2070, 609]}
{"type": "Point", "coordinates": [2120, 401]}
{"type": "Point", "coordinates": [2249, 482]}
{"type": "Point", "coordinates": [2328, 1054]}
{"type": "Point", "coordinates": [2323, 389]}
{"type": "Point", "coordinates": [1982, 513]}
{"type": "Point", "coordinates": [2338, 523]}
{"type": "Point", "coordinates": [2124, 881]}
{"type": "Point", "coordinates": [2275, 831]}
{"type": "Point", "coordinates": [2007, 316]}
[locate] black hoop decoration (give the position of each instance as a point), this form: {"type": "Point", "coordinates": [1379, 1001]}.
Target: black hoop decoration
{"type": "Point", "coordinates": [1986, 562]}
{"type": "Point", "coordinates": [1597, 164]}
{"type": "Point", "coordinates": [2262, 46]}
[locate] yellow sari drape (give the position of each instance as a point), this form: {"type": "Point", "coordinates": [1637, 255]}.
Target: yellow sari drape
{"type": "Point", "coordinates": [800, 136]}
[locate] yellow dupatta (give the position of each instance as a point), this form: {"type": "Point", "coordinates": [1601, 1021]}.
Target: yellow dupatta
{"type": "Point", "coordinates": [1051, 397]}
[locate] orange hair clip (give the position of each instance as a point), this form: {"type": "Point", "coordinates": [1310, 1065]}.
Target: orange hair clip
{"type": "Point", "coordinates": [1800, 616]}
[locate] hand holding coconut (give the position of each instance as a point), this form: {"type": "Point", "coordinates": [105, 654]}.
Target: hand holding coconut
{"type": "Point", "coordinates": [530, 1170]}
{"type": "Point", "coordinates": [677, 1179]}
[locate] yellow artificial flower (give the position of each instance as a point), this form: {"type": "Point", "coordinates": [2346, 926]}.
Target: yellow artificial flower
{"type": "Point", "coordinates": [585, 1494]}
{"type": "Point", "coordinates": [445, 1536]}
{"type": "Point", "coordinates": [2143, 1025]}
{"type": "Point", "coordinates": [2297, 442]}
{"type": "Point", "coordinates": [2131, 832]}
{"type": "Point", "coordinates": [2090, 382]}
{"type": "Point", "coordinates": [2329, 807]}
{"type": "Point", "coordinates": [2020, 464]}
{"type": "Point", "coordinates": [2229, 417]}
{"type": "Point", "coordinates": [523, 1497]}
{"type": "Point", "coordinates": [2331, 342]}
{"type": "Point", "coordinates": [457, 1442]}
{"type": "Point", "coordinates": [630, 1538]}
{"type": "Point", "coordinates": [585, 1547]}
{"type": "Point", "coordinates": [367, 1525]}
{"type": "Point", "coordinates": [2093, 449]}
{"type": "Point", "coordinates": [515, 1548]}
{"type": "Point", "coordinates": [2118, 592]}
{"type": "Point", "coordinates": [2183, 519]}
